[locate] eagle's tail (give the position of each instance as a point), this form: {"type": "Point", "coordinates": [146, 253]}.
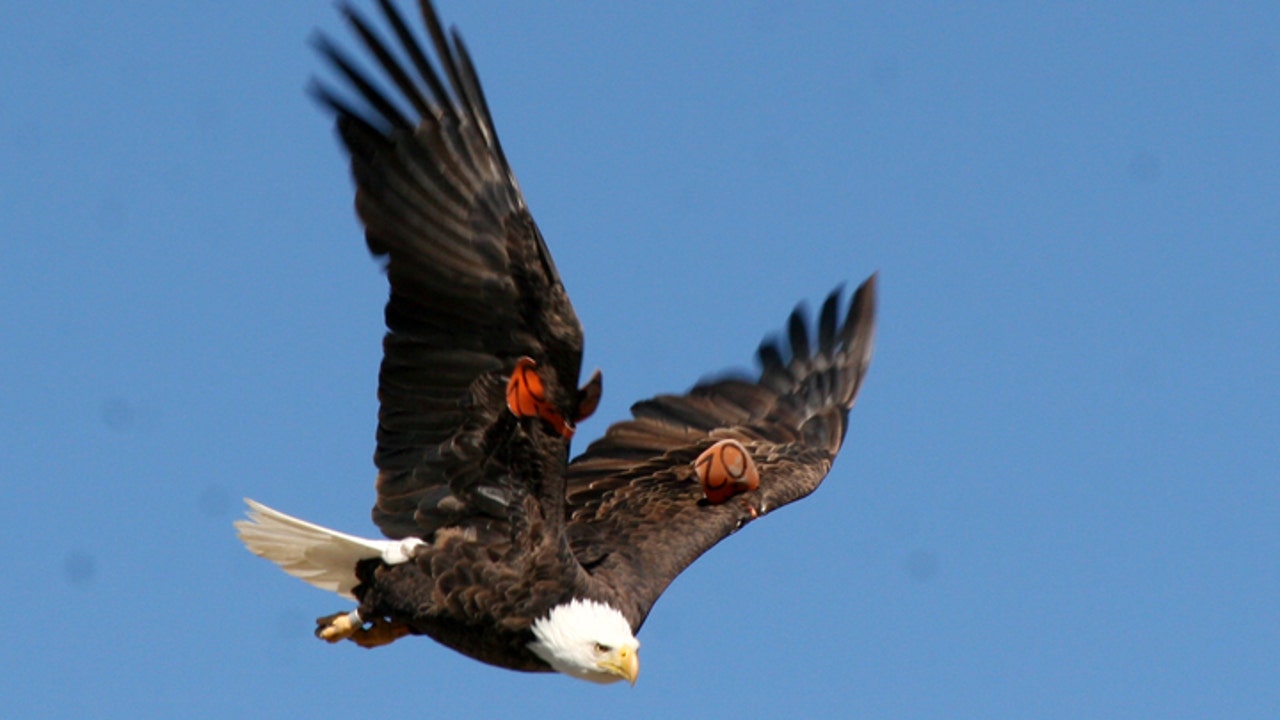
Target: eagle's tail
{"type": "Point", "coordinates": [323, 557]}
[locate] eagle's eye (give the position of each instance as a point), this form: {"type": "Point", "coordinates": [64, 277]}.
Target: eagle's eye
{"type": "Point", "coordinates": [603, 649]}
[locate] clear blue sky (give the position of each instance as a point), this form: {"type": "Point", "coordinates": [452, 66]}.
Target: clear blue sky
{"type": "Point", "coordinates": [1060, 493]}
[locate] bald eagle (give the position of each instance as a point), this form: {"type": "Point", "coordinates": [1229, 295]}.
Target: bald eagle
{"type": "Point", "coordinates": [498, 545]}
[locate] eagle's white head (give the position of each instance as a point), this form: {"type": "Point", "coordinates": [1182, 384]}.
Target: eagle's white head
{"type": "Point", "coordinates": [588, 640]}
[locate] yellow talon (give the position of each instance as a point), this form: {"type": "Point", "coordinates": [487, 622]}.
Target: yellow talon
{"type": "Point", "coordinates": [336, 627]}
{"type": "Point", "coordinates": [343, 626]}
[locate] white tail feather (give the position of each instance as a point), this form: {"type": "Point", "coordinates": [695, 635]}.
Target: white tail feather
{"type": "Point", "coordinates": [323, 557]}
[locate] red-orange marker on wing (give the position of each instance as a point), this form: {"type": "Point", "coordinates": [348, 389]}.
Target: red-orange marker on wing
{"type": "Point", "coordinates": [724, 470]}
{"type": "Point", "coordinates": [526, 397]}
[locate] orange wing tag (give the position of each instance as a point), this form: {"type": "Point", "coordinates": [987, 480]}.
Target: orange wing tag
{"type": "Point", "coordinates": [526, 397]}
{"type": "Point", "coordinates": [724, 470]}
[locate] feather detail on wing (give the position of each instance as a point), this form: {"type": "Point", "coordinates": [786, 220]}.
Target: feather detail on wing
{"type": "Point", "coordinates": [638, 515]}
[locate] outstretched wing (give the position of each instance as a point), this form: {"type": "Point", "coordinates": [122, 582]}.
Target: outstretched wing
{"type": "Point", "coordinates": [473, 286]}
{"type": "Point", "coordinates": [637, 512]}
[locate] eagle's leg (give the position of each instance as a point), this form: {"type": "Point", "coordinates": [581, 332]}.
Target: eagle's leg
{"type": "Point", "coordinates": [381, 631]}
{"type": "Point", "coordinates": [350, 626]}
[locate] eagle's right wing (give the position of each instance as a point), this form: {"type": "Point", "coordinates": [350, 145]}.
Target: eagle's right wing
{"type": "Point", "coordinates": [638, 515]}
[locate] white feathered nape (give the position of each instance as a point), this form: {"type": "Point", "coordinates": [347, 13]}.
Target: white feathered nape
{"type": "Point", "coordinates": [323, 557]}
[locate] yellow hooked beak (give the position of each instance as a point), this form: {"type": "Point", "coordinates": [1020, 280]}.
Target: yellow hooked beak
{"type": "Point", "coordinates": [623, 662]}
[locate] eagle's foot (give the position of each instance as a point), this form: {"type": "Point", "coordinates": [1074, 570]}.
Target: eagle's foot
{"type": "Point", "coordinates": [348, 626]}
{"type": "Point", "coordinates": [337, 627]}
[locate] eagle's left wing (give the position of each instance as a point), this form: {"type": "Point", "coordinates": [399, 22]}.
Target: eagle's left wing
{"type": "Point", "coordinates": [638, 513]}
{"type": "Point", "coordinates": [474, 295]}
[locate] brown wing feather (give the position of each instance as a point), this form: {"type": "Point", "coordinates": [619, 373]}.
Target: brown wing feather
{"type": "Point", "coordinates": [637, 515]}
{"type": "Point", "coordinates": [473, 286]}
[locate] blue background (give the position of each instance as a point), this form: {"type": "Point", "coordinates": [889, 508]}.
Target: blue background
{"type": "Point", "coordinates": [1059, 496]}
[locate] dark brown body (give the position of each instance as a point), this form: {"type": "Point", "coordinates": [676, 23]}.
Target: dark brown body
{"type": "Point", "coordinates": [402, 592]}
